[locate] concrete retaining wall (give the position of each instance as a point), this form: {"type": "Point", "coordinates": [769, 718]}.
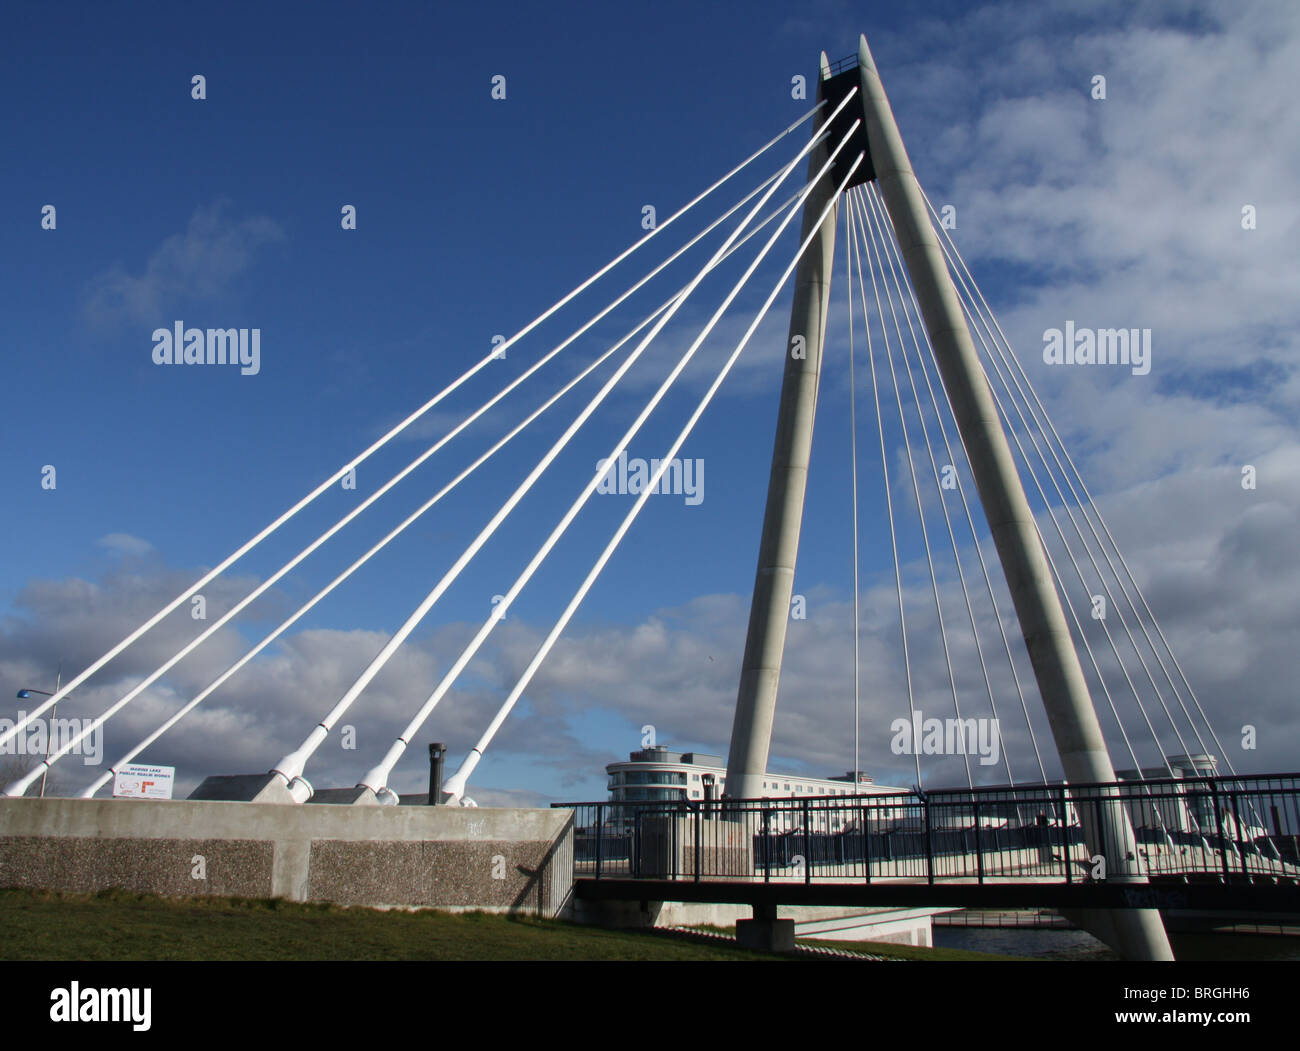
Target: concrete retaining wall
{"type": "Point", "coordinates": [442, 857]}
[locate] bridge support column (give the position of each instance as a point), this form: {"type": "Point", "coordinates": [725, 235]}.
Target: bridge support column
{"type": "Point", "coordinates": [769, 611]}
{"type": "Point", "coordinates": [1135, 934]}
{"type": "Point", "coordinates": [765, 932]}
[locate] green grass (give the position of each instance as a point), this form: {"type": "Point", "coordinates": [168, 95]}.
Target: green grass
{"type": "Point", "coordinates": [118, 925]}
{"type": "Point", "coordinates": [121, 925]}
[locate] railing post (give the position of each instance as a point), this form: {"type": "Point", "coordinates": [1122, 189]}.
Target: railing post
{"type": "Point", "coordinates": [767, 844]}
{"type": "Point", "coordinates": [1237, 838]}
{"type": "Point", "coordinates": [1065, 838]}
{"type": "Point", "coordinates": [636, 843]}
{"type": "Point", "coordinates": [866, 844]}
{"type": "Point", "coordinates": [1218, 823]}
{"type": "Point", "coordinates": [929, 842]}
{"type": "Point", "coordinates": [697, 817]}
{"type": "Point", "coordinates": [979, 853]}
{"type": "Point", "coordinates": [600, 808]}
{"type": "Point", "coordinates": [807, 844]}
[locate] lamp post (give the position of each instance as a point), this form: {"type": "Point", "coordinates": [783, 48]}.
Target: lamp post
{"type": "Point", "coordinates": [23, 695]}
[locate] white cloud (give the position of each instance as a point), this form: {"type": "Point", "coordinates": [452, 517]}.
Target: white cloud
{"type": "Point", "coordinates": [198, 265]}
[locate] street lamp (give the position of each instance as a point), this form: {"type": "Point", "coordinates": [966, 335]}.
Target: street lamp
{"type": "Point", "coordinates": [23, 695]}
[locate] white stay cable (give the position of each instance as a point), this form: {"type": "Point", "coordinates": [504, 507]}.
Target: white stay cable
{"type": "Point", "coordinates": [853, 474]}
{"type": "Point", "coordinates": [889, 497]}
{"type": "Point", "coordinates": [970, 520]}
{"type": "Point", "coordinates": [454, 788]}
{"type": "Point", "coordinates": [877, 263]}
{"type": "Point", "coordinates": [20, 786]}
{"type": "Point", "coordinates": [1049, 431]}
{"type": "Point", "coordinates": [1057, 577]}
{"type": "Point", "coordinates": [376, 779]}
{"type": "Point", "coordinates": [285, 625]}
{"type": "Point", "coordinates": [967, 300]}
{"type": "Point", "coordinates": [290, 768]}
{"type": "Point", "coordinates": [885, 231]}
{"type": "Point", "coordinates": [194, 588]}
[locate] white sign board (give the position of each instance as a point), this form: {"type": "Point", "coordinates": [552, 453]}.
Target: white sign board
{"type": "Point", "coordinates": [144, 782]}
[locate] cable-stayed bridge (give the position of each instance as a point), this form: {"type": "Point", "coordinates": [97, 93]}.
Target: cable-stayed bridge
{"type": "Point", "coordinates": [954, 415]}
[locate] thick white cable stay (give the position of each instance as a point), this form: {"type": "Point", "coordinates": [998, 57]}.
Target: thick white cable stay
{"type": "Point", "coordinates": [454, 787]}
{"type": "Point", "coordinates": [1028, 429]}
{"type": "Point", "coordinates": [376, 779]}
{"type": "Point", "coordinates": [21, 786]}
{"type": "Point", "coordinates": [970, 520]}
{"type": "Point", "coordinates": [889, 497]}
{"type": "Point", "coordinates": [290, 768]}
{"type": "Point", "coordinates": [884, 232]}
{"type": "Point", "coordinates": [212, 574]}
{"type": "Point", "coordinates": [1049, 432]}
{"type": "Point", "coordinates": [875, 264]}
{"type": "Point", "coordinates": [853, 475]}
{"type": "Point", "coordinates": [286, 624]}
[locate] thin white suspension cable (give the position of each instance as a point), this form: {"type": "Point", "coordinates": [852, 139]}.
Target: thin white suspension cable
{"type": "Point", "coordinates": [1050, 429]}
{"type": "Point", "coordinates": [869, 235]}
{"type": "Point", "coordinates": [290, 768]}
{"type": "Point", "coordinates": [376, 779]}
{"type": "Point", "coordinates": [285, 625]}
{"type": "Point", "coordinates": [970, 520]}
{"type": "Point", "coordinates": [1057, 577]}
{"type": "Point", "coordinates": [20, 786]}
{"type": "Point", "coordinates": [886, 234]}
{"type": "Point", "coordinates": [194, 588]}
{"type": "Point", "coordinates": [889, 498]}
{"type": "Point", "coordinates": [1065, 505]}
{"type": "Point", "coordinates": [1060, 585]}
{"type": "Point", "coordinates": [853, 445]}
{"type": "Point", "coordinates": [455, 786]}
{"type": "Point", "coordinates": [969, 305]}
{"type": "Point", "coordinates": [976, 326]}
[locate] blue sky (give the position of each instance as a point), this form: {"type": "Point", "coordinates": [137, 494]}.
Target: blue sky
{"type": "Point", "coordinates": [475, 214]}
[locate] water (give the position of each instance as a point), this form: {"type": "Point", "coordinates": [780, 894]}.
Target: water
{"type": "Point", "coordinates": [1078, 945]}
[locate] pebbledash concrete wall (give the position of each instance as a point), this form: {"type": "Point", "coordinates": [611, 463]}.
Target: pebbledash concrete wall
{"type": "Point", "coordinates": [438, 857]}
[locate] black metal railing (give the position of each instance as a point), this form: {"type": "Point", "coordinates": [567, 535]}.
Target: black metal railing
{"type": "Point", "coordinates": [1196, 828]}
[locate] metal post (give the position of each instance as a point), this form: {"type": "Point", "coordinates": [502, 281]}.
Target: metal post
{"type": "Point", "coordinates": [1066, 843]}
{"type": "Point", "coordinates": [697, 818]}
{"type": "Point", "coordinates": [769, 610]}
{"type": "Point", "coordinates": [1064, 691]}
{"type": "Point", "coordinates": [1237, 837]}
{"type": "Point", "coordinates": [437, 754]}
{"type": "Point", "coordinates": [1218, 823]}
{"type": "Point", "coordinates": [929, 843]}
{"type": "Point", "coordinates": [49, 737]}
{"type": "Point", "coordinates": [767, 845]}
{"type": "Point", "coordinates": [807, 843]}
